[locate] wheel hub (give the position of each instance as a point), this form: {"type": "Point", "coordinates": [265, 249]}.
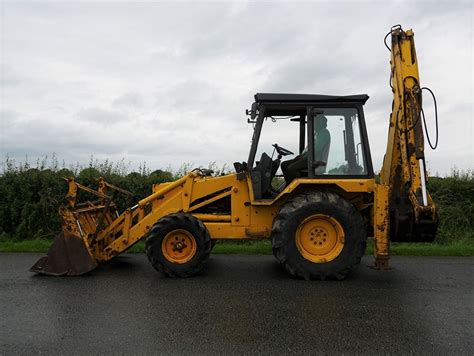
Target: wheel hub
{"type": "Point", "coordinates": [320, 238]}
{"type": "Point", "coordinates": [179, 246]}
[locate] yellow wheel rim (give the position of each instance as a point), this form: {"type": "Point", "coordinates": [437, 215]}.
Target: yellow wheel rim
{"type": "Point", "coordinates": [320, 238]}
{"type": "Point", "coordinates": [179, 246]}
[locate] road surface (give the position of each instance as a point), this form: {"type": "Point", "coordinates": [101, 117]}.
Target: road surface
{"type": "Point", "coordinates": [241, 304]}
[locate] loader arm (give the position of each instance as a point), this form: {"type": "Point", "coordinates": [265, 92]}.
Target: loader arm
{"type": "Point", "coordinates": [94, 232]}
{"type": "Point", "coordinates": [404, 210]}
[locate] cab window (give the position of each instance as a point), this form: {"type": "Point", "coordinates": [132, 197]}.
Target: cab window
{"type": "Point", "coordinates": [337, 142]}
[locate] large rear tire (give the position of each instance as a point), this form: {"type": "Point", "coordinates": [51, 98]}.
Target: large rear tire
{"type": "Point", "coordinates": [178, 245]}
{"type": "Point", "coordinates": [319, 235]}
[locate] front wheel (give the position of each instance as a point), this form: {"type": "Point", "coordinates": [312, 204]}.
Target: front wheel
{"type": "Point", "coordinates": [178, 245]}
{"type": "Point", "coordinates": [319, 235]}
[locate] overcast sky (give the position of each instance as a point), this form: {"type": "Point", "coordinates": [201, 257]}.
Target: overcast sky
{"type": "Point", "coordinates": [168, 82]}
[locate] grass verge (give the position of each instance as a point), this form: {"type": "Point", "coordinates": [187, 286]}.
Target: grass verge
{"type": "Point", "coordinates": [459, 248]}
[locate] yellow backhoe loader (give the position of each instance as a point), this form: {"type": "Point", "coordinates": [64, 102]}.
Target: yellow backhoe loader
{"type": "Point", "coordinates": [318, 219]}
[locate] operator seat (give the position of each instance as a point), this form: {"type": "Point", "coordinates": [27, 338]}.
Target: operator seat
{"type": "Point", "coordinates": [262, 176]}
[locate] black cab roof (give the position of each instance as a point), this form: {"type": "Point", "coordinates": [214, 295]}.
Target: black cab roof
{"type": "Point", "coordinates": [309, 98]}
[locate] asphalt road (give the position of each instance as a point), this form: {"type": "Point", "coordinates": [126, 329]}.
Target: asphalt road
{"type": "Point", "coordinates": [240, 305]}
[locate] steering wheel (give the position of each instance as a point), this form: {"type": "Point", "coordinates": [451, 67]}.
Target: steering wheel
{"type": "Point", "coordinates": [282, 151]}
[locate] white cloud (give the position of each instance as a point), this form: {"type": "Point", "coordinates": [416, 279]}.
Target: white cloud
{"type": "Point", "coordinates": [168, 83]}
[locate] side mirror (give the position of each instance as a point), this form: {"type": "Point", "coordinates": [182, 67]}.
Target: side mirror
{"type": "Point", "coordinates": [253, 113]}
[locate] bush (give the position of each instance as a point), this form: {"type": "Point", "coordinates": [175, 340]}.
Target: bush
{"type": "Point", "coordinates": [30, 197]}
{"type": "Point", "coordinates": [454, 196]}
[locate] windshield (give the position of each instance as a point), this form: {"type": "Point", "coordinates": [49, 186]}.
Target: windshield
{"type": "Point", "coordinates": [338, 143]}
{"type": "Point", "coordinates": [278, 130]}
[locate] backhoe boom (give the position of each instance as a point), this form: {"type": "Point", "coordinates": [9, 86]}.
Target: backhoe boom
{"type": "Point", "coordinates": [407, 213]}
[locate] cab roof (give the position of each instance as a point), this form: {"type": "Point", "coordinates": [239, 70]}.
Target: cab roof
{"type": "Point", "coordinates": [275, 98]}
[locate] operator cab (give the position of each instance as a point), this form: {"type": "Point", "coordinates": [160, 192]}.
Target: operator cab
{"type": "Point", "coordinates": [328, 133]}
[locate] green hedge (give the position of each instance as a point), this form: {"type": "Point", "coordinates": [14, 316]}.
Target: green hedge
{"type": "Point", "coordinates": [454, 196]}
{"type": "Point", "coordinates": [30, 197]}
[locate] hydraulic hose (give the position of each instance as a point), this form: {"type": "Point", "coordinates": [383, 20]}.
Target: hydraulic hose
{"type": "Point", "coordinates": [433, 147]}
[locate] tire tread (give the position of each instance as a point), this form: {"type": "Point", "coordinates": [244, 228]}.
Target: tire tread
{"type": "Point", "coordinates": [280, 238]}
{"type": "Point", "coordinates": [154, 239]}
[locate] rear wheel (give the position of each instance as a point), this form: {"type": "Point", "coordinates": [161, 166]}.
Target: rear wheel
{"type": "Point", "coordinates": [319, 235]}
{"type": "Point", "coordinates": [178, 245]}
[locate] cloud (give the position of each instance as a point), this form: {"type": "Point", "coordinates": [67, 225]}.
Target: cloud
{"type": "Point", "coordinates": [101, 116]}
{"type": "Point", "coordinates": [168, 83]}
{"type": "Point", "coordinates": [133, 100]}
{"type": "Point", "coordinates": [9, 77]}
{"type": "Point", "coordinates": [8, 118]}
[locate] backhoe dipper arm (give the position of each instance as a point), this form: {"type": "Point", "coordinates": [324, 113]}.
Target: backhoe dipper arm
{"type": "Point", "coordinates": [404, 158]}
{"type": "Point", "coordinates": [404, 208]}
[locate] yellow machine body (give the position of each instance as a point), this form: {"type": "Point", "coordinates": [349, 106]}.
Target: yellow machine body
{"type": "Point", "coordinates": [247, 218]}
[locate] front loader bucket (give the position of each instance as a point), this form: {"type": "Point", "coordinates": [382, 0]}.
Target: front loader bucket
{"type": "Point", "coordinates": [80, 246]}
{"type": "Point", "coordinates": [67, 256]}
